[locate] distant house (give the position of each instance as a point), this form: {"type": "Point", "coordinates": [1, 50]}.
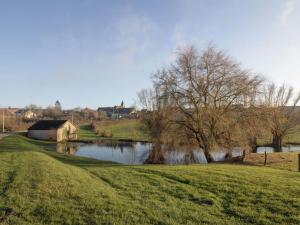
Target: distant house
{"type": "Point", "coordinates": [118, 112]}
{"type": "Point", "coordinates": [54, 130]}
{"type": "Point", "coordinates": [26, 114]}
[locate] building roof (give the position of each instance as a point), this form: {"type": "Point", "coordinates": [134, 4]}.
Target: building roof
{"type": "Point", "coordinates": [106, 109]}
{"type": "Point", "coordinates": [125, 110]}
{"type": "Point", "coordinates": [116, 110]}
{"type": "Point", "coordinates": [47, 125]}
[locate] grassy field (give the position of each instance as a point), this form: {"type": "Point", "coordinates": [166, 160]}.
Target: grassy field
{"type": "Point", "coordinates": [114, 129]}
{"type": "Point", "coordinates": [42, 187]}
{"type": "Point", "coordinates": [85, 132]}
{"type": "Point", "coordinates": [293, 138]}
{"type": "Point", "coordinates": [131, 130]}
{"type": "Point", "coordinates": [279, 160]}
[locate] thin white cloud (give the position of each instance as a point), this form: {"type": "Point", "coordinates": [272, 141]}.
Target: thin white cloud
{"type": "Point", "coordinates": [180, 40]}
{"type": "Point", "coordinates": [288, 10]}
{"type": "Point", "coordinates": [134, 35]}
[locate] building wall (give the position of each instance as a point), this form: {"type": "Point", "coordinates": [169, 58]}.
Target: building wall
{"type": "Point", "coordinates": [43, 134]}
{"type": "Point", "coordinates": [55, 135]}
{"type": "Point", "coordinates": [29, 115]}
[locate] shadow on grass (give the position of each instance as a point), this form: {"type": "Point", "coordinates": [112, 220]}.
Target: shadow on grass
{"type": "Point", "coordinates": [79, 161]}
{"type": "Point", "coordinates": [21, 143]}
{"type": "Point", "coordinates": [86, 127]}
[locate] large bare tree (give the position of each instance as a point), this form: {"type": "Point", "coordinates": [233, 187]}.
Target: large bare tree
{"type": "Point", "coordinates": [207, 90]}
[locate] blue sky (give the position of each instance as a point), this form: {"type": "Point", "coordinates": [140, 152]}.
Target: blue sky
{"type": "Point", "coordinates": [97, 53]}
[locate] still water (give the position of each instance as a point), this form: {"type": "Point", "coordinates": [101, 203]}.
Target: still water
{"type": "Point", "coordinates": [138, 152]}
{"type": "Point", "coordinates": [292, 148]}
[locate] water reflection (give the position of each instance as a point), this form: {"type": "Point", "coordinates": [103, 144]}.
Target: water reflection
{"type": "Point", "coordinates": [138, 152]}
{"type": "Point", "coordinates": [121, 152]}
{"type": "Point", "coordinates": [290, 148]}
{"type": "Point", "coordinates": [180, 156]}
{"type": "Point", "coordinates": [67, 148]}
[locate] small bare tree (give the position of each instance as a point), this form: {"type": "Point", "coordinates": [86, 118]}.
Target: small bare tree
{"type": "Point", "coordinates": [154, 118]}
{"type": "Point", "coordinates": [254, 125]}
{"type": "Point", "coordinates": [52, 112]}
{"type": "Point", "coordinates": [283, 115]}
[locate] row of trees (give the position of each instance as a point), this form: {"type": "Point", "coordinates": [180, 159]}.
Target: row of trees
{"type": "Point", "coordinates": [207, 99]}
{"type": "Point", "coordinates": [56, 112]}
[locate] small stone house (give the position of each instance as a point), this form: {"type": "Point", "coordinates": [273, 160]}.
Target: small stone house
{"type": "Point", "coordinates": [26, 114]}
{"type": "Point", "coordinates": [53, 130]}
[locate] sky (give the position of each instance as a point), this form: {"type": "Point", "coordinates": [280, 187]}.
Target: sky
{"type": "Point", "coordinates": [91, 53]}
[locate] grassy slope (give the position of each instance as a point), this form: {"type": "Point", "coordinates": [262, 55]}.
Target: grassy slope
{"type": "Point", "coordinates": [280, 160]}
{"type": "Point", "coordinates": [39, 187]}
{"type": "Point", "coordinates": [117, 129]}
{"type": "Point", "coordinates": [131, 129]}
{"type": "Point", "coordinates": [126, 129]}
{"type": "Point", "coordinates": [294, 138]}
{"type": "Point", "coordinates": [85, 132]}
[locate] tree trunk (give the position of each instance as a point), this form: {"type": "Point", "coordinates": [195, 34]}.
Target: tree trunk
{"type": "Point", "coordinates": [253, 144]}
{"type": "Point", "coordinates": [207, 154]}
{"type": "Point", "coordinates": [277, 142]}
{"type": "Point", "coordinates": [156, 155]}
{"type": "Point", "coordinates": [229, 153]}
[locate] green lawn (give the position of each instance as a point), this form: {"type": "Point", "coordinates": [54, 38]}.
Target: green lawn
{"type": "Point", "coordinates": [85, 132]}
{"type": "Point", "coordinates": [294, 138]}
{"type": "Point", "coordinates": [132, 130]}
{"type": "Point", "coordinates": [116, 130]}
{"type": "Point", "coordinates": [41, 187]}
{"type": "Point", "coordinates": [279, 160]}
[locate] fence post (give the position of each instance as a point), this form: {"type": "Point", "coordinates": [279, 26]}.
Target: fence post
{"type": "Point", "coordinates": [265, 158]}
{"type": "Point", "coordinates": [299, 162]}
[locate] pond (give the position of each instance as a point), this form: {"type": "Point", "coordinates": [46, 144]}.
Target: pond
{"type": "Point", "coordinates": [138, 152]}
{"type": "Point", "coordinates": [291, 148]}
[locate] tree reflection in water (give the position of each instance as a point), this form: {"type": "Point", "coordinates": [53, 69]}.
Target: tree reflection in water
{"type": "Point", "coordinates": [67, 148]}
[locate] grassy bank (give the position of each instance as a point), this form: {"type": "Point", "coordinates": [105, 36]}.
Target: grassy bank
{"type": "Point", "coordinates": [293, 138]}
{"type": "Point", "coordinates": [86, 132]}
{"type": "Point", "coordinates": [114, 130]}
{"type": "Point", "coordinates": [40, 187]}
{"type": "Point", "coordinates": [132, 130]}
{"type": "Point", "coordinates": [280, 160]}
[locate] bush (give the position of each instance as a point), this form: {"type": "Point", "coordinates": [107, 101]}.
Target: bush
{"type": "Point", "coordinates": [103, 133]}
